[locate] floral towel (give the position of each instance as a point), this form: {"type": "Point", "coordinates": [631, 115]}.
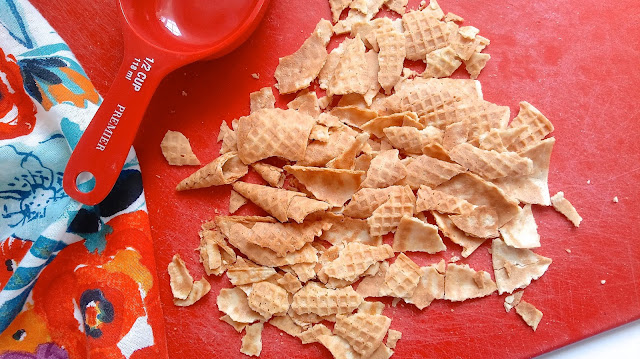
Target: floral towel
{"type": "Point", "coordinates": [77, 281]}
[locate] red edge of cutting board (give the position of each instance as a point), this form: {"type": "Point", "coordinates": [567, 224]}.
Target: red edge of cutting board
{"type": "Point", "coordinates": [572, 59]}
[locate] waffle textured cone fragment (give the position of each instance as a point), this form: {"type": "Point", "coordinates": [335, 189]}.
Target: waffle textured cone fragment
{"type": "Point", "coordinates": [491, 164]}
{"type": "Point", "coordinates": [425, 170]}
{"type": "Point", "coordinates": [273, 133]}
{"type": "Point", "coordinates": [424, 33]}
{"type": "Point", "coordinates": [176, 149]}
{"type": "Point", "coordinates": [355, 259]}
{"type": "Point", "coordinates": [402, 277]}
{"type": "Point", "coordinates": [283, 238]}
{"type": "Point", "coordinates": [462, 283]}
{"type": "Point", "coordinates": [363, 331]}
{"type": "Point", "coordinates": [268, 299]}
{"type": "Point", "coordinates": [414, 235]}
{"type": "Point", "coordinates": [275, 201]}
{"type": "Point", "coordinates": [468, 243]}
{"type": "Point", "coordinates": [225, 169]}
{"type": "Point", "coordinates": [441, 63]}
{"type": "Point", "coordinates": [296, 71]}
{"type": "Point", "coordinates": [538, 126]}
{"type": "Point", "coordinates": [391, 56]}
{"type": "Point", "coordinates": [515, 268]}
{"type": "Point", "coordinates": [432, 200]}
{"type": "Point", "coordinates": [386, 218]}
{"type": "Point", "coordinates": [386, 169]}
{"type": "Point", "coordinates": [322, 301]}
{"type": "Point", "coordinates": [334, 186]}
{"type": "Point", "coordinates": [351, 72]}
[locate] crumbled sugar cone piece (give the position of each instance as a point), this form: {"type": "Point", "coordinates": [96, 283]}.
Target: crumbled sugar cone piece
{"type": "Point", "coordinates": [479, 192]}
{"type": "Point", "coordinates": [176, 149]}
{"type": "Point", "coordinates": [240, 273]}
{"type": "Point", "coordinates": [466, 42]}
{"type": "Point", "coordinates": [223, 224]}
{"type": "Point", "coordinates": [493, 140]}
{"type": "Point", "coordinates": [481, 222]}
{"type": "Point", "coordinates": [390, 57]}
{"type": "Point", "coordinates": [363, 331]}
{"type": "Point", "coordinates": [234, 303]}
{"type": "Point", "coordinates": [180, 281]}
{"type": "Point", "coordinates": [239, 238]}
{"type": "Point", "coordinates": [424, 33]}
{"type": "Point", "coordinates": [304, 271]}
{"type": "Point", "coordinates": [239, 327]}
{"type": "Point", "coordinates": [290, 283]}
{"type": "Point", "coordinates": [453, 17]}
{"type": "Point", "coordinates": [430, 287]}
{"type": "Point", "coordinates": [491, 164]}
{"type": "Point", "coordinates": [329, 68]}
{"type": "Point", "coordinates": [392, 338]}
{"type": "Point", "coordinates": [479, 116]}
{"type": "Point", "coordinates": [530, 314]}
{"type": "Point", "coordinates": [468, 243]}
{"type": "Point", "coordinates": [353, 115]}
{"type": "Point", "coordinates": [371, 79]}
{"type": "Point", "coordinates": [455, 134]}
{"type": "Point", "coordinates": [515, 268]}
{"type": "Point", "coordinates": [425, 170]}
{"type": "Point", "coordinates": [522, 230]}
{"type": "Point", "coordinates": [538, 126]}
{"type": "Point", "coordinates": [511, 301]}
{"type": "Point", "coordinates": [565, 207]}
{"type": "Point", "coordinates": [320, 153]}
{"type": "Point", "coordinates": [296, 71]}
{"type": "Point", "coordinates": [338, 347]}
{"type": "Point", "coordinates": [334, 186]}
{"type": "Point", "coordinates": [347, 159]}
{"type": "Point", "coordinates": [399, 6]}
{"type": "Point", "coordinates": [476, 63]}
{"type": "Point", "coordinates": [228, 138]}
{"type": "Point", "coordinates": [252, 340]}
{"type": "Point", "coordinates": [286, 324]}
{"type": "Point", "coordinates": [441, 63]}
{"type": "Point", "coordinates": [351, 72]}
{"type": "Point", "coordinates": [337, 6]}
{"type": "Point", "coordinates": [273, 132]}
{"type": "Point", "coordinates": [355, 259]}
{"type": "Point", "coordinates": [533, 188]}
{"type": "Point", "coordinates": [311, 335]}
{"type": "Point", "coordinates": [322, 301]}
{"type": "Point", "coordinates": [199, 289]}
{"type": "Point", "coordinates": [371, 308]}
{"type": "Point", "coordinates": [414, 235]}
{"type": "Point", "coordinates": [262, 99]}
{"type": "Point", "coordinates": [377, 125]}
{"type": "Point", "coordinates": [412, 140]}
{"type": "Point", "coordinates": [275, 201]}
{"type": "Point", "coordinates": [462, 283]}
{"type": "Point", "coordinates": [386, 218]}
{"type": "Point", "coordinates": [301, 207]}
{"type": "Point", "coordinates": [215, 253]}
{"type": "Point", "coordinates": [374, 286]}
{"type": "Point", "coordinates": [272, 174]}
{"type": "Point", "coordinates": [402, 277]}
{"type": "Point", "coordinates": [236, 201]}
{"type": "Point", "coordinates": [268, 299]}
{"type": "Point", "coordinates": [385, 170]}
{"type": "Point", "coordinates": [346, 230]}
{"type": "Point", "coordinates": [431, 200]}
{"type": "Point", "coordinates": [283, 238]}
{"type": "Point", "coordinates": [307, 103]}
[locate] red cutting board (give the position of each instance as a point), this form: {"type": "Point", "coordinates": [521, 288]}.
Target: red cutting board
{"type": "Point", "coordinates": [576, 60]}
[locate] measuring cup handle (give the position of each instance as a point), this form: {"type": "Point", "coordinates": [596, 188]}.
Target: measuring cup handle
{"type": "Point", "coordinates": [105, 144]}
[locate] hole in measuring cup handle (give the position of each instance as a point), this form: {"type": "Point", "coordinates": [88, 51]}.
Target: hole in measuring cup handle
{"type": "Point", "coordinates": [85, 182]}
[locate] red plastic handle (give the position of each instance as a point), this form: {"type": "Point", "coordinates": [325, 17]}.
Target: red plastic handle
{"type": "Point", "coordinates": [104, 146]}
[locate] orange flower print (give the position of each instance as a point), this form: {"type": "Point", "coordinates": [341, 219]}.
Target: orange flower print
{"type": "Point", "coordinates": [17, 110]}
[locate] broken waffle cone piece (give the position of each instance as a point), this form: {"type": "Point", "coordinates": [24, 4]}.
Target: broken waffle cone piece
{"type": "Point", "coordinates": [322, 301]}
{"type": "Point", "coordinates": [337, 6]}
{"type": "Point", "coordinates": [465, 42]}
{"type": "Point", "coordinates": [215, 253]}
{"type": "Point", "coordinates": [491, 164]}
{"type": "Point", "coordinates": [275, 201]}
{"type": "Point", "coordinates": [236, 201]}
{"type": "Point", "coordinates": [511, 301]}
{"type": "Point", "coordinates": [441, 63]}
{"type": "Point", "coordinates": [399, 6]}
{"type": "Point", "coordinates": [252, 340]}
{"type": "Point", "coordinates": [538, 126]}
{"type": "Point", "coordinates": [425, 170]}
{"type": "Point", "coordinates": [199, 289]}
{"type": "Point", "coordinates": [296, 71]}
{"type": "Point", "coordinates": [273, 175]}
{"type": "Point", "coordinates": [268, 299]}
{"type": "Point", "coordinates": [180, 280]}
{"type": "Point", "coordinates": [424, 33]}
{"type": "Point", "coordinates": [290, 283]}
{"type": "Point", "coordinates": [306, 102]}
{"type": "Point", "coordinates": [468, 243]}
{"type": "Point", "coordinates": [363, 331]}
{"type": "Point", "coordinates": [530, 314]}
{"type": "Point", "coordinates": [241, 273]}
{"type": "Point", "coordinates": [391, 56]}
{"type": "Point", "coordinates": [176, 149]}
{"type": "Point", "coordinates": [239, 327]}
{"type": "Point", "coordinates": [430, 287]}
{"type": "Point", "coordinates": [515, 268]}
{"type": "Point", "coordinates": [338, 347]}
{"type": "Point", "coordinates": [353, 115]}
{"type": "Point", "coordinates": [355, 259]}
{"type": "Point", "coordinates": [286, 324]}
{"type": "Point", "coordinates": [346, 230]}
{"type": "Point", "coordinates": [374, 286]}
{"type": "Point", "coordinates": [233, 302]}
{"type": "Point", "coordinates": [522, 230]}
{"type": "Point", "coordinates": [402, 277]}
{"type": "Point", "coordinates": [262, 99]}
{"type": "Point", "coordinates": [386, 218]}
{"type": "Point", "coordinates": [334, 186]}
{"type": "Point", "coordinates": [386, 169]}
{"type": "Point", "coordinates": [225, 169]}
{"type": "Point", "coordinates": [347, 159]}
{"type": "Point", "coordinates": [462, 283]}
{"type": "Point", "coordinates": [350, 74]}
{"type": "Point", "coordinates": [273, 133]}
{"type": "Point", "coordinates": [377, 125]}
{"type": "Point", "coordinates": [228, 138]}
{"type": "Point", "coordinates": [481, 222]}
{"type": "Point", "coordinates": [312, 334]}
{"type": "Point", "coordinates": [432, 200]}
{"type": "Point", "coordinates": [476, 63]}
{"type": "Point", "coordinates": [283, 238]}
{"type": "Point", "coordinates": [565, 207]}
{"type": "Point", "coordinates": [411, 140]}
{"type": "Point", "coordinates": [414, 235]}
{"type": "Point", "coordinates": [371, 308]}
{"type": "Point", "coordinates": [320, 153]}
{"type": "Point", "coordinates": [301, 207]}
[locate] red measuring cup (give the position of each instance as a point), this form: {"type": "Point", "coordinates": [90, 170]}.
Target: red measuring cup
{"type": "Point", "coordinates": [159, 36]}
